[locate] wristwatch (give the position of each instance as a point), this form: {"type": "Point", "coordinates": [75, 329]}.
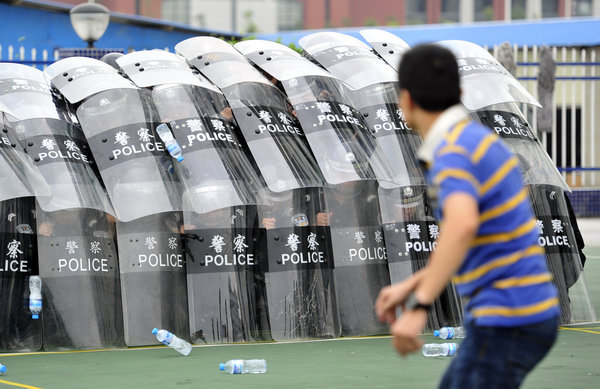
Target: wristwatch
{"type": "Point", "coordinates": [411, 304]}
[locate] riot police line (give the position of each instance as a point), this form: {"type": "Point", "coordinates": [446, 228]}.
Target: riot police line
{"type": "Point", "coordinates": [299, 195]}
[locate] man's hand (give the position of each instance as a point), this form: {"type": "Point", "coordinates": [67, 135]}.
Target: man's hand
{"type": "Point", "coordinates": [323, 218]}
{"type": "Point", "coordinates": [269, 222]}
{"type": "Point", "coordinates": [389, 298]}
{"type": "Point", "coordinates": [406, 331]}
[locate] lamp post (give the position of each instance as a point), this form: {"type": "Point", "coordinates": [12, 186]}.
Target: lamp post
{"type": "Point", "coordinates": [89, 20]}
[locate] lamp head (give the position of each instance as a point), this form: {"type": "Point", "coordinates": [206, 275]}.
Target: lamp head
{"type": "Point", "coordinates": [90, 20]}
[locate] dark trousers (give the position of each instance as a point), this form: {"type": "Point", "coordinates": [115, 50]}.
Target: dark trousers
{"type": "Point", "coordinates": [499, 357]}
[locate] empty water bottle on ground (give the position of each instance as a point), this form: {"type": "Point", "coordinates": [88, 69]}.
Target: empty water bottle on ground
{"type": "Point", "coordinates": [172, 341]}
{"type": "Point", "coordinates": [170, 143]}
{"type": "Point", "coordinates": [439, 349]}
{"type": "Point", "coordinates": [35, 296]}
{"type": "Point", "coordinates": [244, 366]}
{"type": "Point", "coordinates": [2, 369]}
{"type": "Point", "coordinates": [450, 332]}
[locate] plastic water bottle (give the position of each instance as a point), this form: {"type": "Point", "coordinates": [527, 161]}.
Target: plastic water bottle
{"type": "Point", "coordinates": [170, 143]}
{"type": "Point", "coordinates": [2, 369]}
{"type": "Point", "coordinates": [450, 332]}
{"type": "Point", "coordinates": [173, 341]}
{"type": "Point", "coordinates": [439, 349]}
{"type": "Point", "coordinates": [243, 366]}
{"type": "Point", "coordinates": [35, 296]}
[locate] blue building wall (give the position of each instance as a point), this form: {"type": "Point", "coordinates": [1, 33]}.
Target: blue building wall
{"type": "Point", "coordinates": [50, 29]}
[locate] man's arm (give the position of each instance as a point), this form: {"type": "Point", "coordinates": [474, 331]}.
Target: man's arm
{"type": "Point", "coordinates": [460, 224]}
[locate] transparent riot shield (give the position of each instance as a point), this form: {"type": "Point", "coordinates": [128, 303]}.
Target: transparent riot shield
{"type": "Point", "coordinates": [508, 122]}
{"type": "Point", "coordinates": [359, 255]}
{"type": "Point", "coordinates": [60, 152]}
{"type": "Point", "coordinates": [388, 46]}
{"type": "Point", "coordinates": [410, 233]}
{"type": "Point", "coordinates": [217, 172]}
{"type": "Point", "coordinates": [19, 331]}
{"type": "Point", "coordinates": [80, 272]}
{"type": "Point", "coordinates": [484, 81]}
{"type": "Point", "coordinates": [265, 117]}
{"type": "Point", "coordinates": [49, 133]}
{"type": "Point", "coordinates": [562, 253]}
{"type": "Point", "coordinates": [19, 177]}
{"type": "Point", "coordinates": [226, 261]}
{"type": "Point", "coordinates": [119, 122]}
{"type": "Point", "coordinates": [340, 139]}
{"type": "Point", "coordinates": [300, 276]}
{"type": "Point", "coordinates": [547, 192]}
{"type": "Point", "coordinates": [409, 230]}
{"type": "Point", "coordinates": [375, 86]}
{"type": "Point", "coordinates": [153, 277]}
{"type": "Point", "coordinates": [25, 93]}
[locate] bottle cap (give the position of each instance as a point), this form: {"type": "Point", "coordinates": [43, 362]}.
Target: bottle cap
{"type": "Point", "coordinates": [179, 158]}
{"type": "Point", "coordinates": [451, 349]}
{"type": "Point", "coordinates": [35, 316]}
{"type": "Point", "coordinates": [2, 369]}
{"type": "Point", "coordinates": [155, 331]}
{"type": "Point", "coordinates": [436, 333]}
{"type": "Point", "coordinates": [221, 366]}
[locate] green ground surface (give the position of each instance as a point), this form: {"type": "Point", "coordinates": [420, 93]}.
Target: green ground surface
{"type": "Point", "coordinates": [341, 363]}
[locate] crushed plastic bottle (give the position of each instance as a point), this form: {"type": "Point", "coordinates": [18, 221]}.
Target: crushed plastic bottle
{"type": "Point", "coordinates": [168, 339]}
{"type": "Point", "coordinates": [439, 349]}
{"type": "Point", "coordinates": [450, 333]}
{"type": "Point", "coordinates": [170, 143]}
{"type": "Point", "coordinates": [35, 296]}
{"type": "Point", "coordinates": [244, 366]}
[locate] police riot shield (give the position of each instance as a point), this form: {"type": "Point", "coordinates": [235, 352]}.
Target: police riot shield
{"type": "Point", "coordinates": [376, 98]}
{"type": "Point", "coordinates": [25, 93]}
{"type": "Point", "coordinates": [563, 256]}
{"type": "Point", "coordinates": [547, 192]}
{"type": "Point", "coordinates": [226, 262]}
{"type": "Point", "coordinates": [153, 277]}
{"type": "Point", "coordinates": [484, 81]}
{"type": "Point", "coordinates": [507, 121]}
{"type": "Point", "coordinates": [265, 117]}
{"type": "Point", "coordinates": [80, 273]}
{"type": "Point", "coordinates": [19, 177]}
{"type": "Point", "coordinates": [403, 208]}
{"type": "Point", "coordinates": [300, 277]}
{"type": "Point", "coordinates": [410, 233]}
{"type": "Point", "coordinates": [119, 121]}
{"type": "Point", "coordinates": [360, 255]}
{"type": "Point", "coordinates": [340, 139]}
{"type": "Point", "coordinates": [388, 46]}
{"type": "Point", "coordinates": [19, 330]}
{"type": "Point", "coordinates": [217, 172]}
{"type": "Point", "coordinates": [49, 134]}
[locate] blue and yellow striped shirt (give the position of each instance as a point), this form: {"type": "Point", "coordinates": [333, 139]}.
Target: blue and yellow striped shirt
{"type": "Point", "coordinates": [504, 276]}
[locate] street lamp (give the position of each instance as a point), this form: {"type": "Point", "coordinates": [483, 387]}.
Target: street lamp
{"type": "Point", "coordinates": [90, 20]}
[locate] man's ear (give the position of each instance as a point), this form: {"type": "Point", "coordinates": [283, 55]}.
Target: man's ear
{"type": "Point", "coordinates": [408, 101]}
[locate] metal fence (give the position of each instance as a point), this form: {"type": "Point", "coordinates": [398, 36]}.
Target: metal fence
{"type": "Point", "coordinates": [573, 142]}
{"type": "Point", "coordinates": [28, 57]}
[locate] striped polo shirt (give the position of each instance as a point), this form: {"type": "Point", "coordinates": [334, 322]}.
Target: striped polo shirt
{"type": "Point", "coordinates": [504, 276]}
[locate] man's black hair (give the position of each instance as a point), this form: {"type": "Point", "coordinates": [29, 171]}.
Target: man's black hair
{"type": "Point", "coordinates": [429, 73]}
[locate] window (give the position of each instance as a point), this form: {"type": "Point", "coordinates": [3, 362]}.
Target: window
{"type": "Point", "coordinates": [176, 11]}
{"type": "Point", "coordinates": [290, 15]}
